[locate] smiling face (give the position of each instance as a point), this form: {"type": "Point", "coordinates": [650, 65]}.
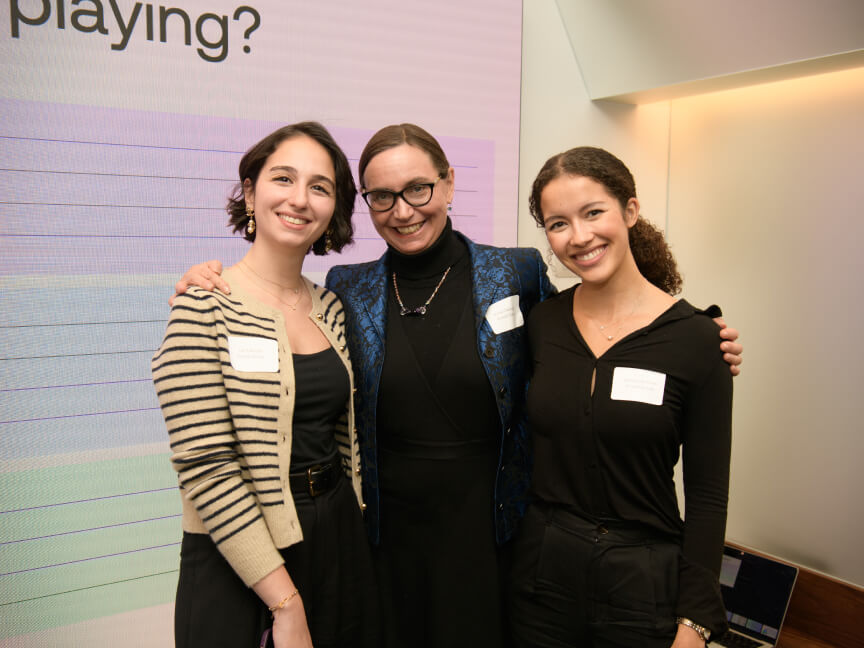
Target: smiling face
{"type": "Point", "coordinates": [294, 195]}
{"type": "Point", "coordinates": [586, 227]}
{"type": "Point", "coordinates": [408, 229]}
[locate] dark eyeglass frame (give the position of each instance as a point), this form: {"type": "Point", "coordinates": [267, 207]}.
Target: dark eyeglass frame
{"type": "Point", "coordinates": [401, 194]}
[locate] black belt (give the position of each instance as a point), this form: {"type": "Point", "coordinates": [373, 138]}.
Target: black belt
{"type": "Point", "coordinates": [318, 479]}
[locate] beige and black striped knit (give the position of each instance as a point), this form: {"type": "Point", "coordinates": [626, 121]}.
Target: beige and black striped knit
{"type": "Point", "coordinates": [230, 430]}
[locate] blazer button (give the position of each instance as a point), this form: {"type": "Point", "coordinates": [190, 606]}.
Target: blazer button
{"type": "Point", "coordinates": [489, 352]}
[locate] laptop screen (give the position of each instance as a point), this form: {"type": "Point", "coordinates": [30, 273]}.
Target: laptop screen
{"type": "Point", "coordinates": [756, 592]}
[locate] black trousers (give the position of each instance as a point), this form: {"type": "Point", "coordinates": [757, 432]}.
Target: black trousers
{"type": "Point", "coordinates": [577, 583]}
{"type": "Point", "coordinates": [331, 567]}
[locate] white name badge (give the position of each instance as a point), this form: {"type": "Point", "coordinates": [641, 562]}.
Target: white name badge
{"type": "Point", "coordinates": [253, 354]}
{"type": "Point", "coordinates": [505, 315]}
{"type": "Point", "coordinates": [638, 385]}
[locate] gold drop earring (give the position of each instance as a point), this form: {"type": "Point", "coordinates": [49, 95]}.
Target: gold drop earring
{"type": "Point", "coordinates": [250, 214]}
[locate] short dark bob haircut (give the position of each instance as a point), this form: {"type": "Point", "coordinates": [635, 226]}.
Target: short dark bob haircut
{"type": "Point", "coordinates": [341, 229]}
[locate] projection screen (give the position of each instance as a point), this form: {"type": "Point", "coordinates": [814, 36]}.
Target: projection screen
{"type": "Point", "coordinates": [122, 126]}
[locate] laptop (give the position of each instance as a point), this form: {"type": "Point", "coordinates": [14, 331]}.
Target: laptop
{"type": "Point", "coordinates": [756, 592]}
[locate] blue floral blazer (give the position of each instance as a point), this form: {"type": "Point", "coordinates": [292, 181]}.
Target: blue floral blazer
{"type": "Point", "coordinates": [496, 273]}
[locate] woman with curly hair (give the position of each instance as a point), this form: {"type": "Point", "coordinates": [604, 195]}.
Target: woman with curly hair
{"type": "Point", "coordinates": [624, 378]}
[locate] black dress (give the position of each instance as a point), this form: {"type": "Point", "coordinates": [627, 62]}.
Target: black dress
{"type": "Point", "coordinates": [437, 563]}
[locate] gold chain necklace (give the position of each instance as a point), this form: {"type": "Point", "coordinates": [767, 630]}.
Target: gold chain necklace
{"type": "Point", "coordinates": [420, 310]}
{"type": "Point", "coordinates": [621, 320]}
{"type": "Point", "coordinates": [275, 283]}
{"type": "Point", "coordinates": [242, 264]}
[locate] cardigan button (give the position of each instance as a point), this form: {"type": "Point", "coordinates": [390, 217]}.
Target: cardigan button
{"type": "Point", "coordinates": [357, 470]}
{"type": "Point", "coordinates": [342, 348]}
{"type": "Point", "coordinates": [363, 506]}
{"type": "Point", "coordinates": [320, 316]}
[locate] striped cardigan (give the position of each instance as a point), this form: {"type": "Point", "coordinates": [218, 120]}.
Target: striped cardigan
{"type": "Point", "coordinates": [230, 430]}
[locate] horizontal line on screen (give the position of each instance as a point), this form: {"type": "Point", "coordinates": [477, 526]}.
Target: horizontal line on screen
{"type": "Point", "coordinates": [160, 147]}
{"type": "Point", "coordinates": [50, 204]}
{"type": "Point", "coordinates": [81, 560]}
{"type": "Point", "coordinates": [149, 236]}
{"type": "Point", "coordinates": [116, 236]}
{"type": "Point", "coordinates": [76, 355]}
{"type": "Point", "coordinates": [68, 416]}
{"type": "Point", "coordinates": [150, 321]}
{"type": "Point", "coordinates": [82, 589]}
{"type": "Point", "coordinates": [119, 144]}
{"type": "Point", "coordinates": [92, 384]}
{"type": "Point", "coordinates": [91, 499]}
{"type": "Point", "coordinates": [99, 528]}
{"type": "Point", "coordinates": [118, 175]}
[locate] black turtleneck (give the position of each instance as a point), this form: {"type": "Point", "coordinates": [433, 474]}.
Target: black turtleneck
{"type": "Point", "coordinates": [417, 275]}
{"type": "Point", "coordinates": [432, 376]}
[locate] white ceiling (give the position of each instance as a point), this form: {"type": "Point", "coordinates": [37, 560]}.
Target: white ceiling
{"type": "Point", "coordinates": [639, 51]}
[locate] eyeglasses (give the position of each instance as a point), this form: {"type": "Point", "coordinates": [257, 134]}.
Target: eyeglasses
{"type": "Point", "coordinates": [416, 195]}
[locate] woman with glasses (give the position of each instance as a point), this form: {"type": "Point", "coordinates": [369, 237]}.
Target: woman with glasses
{"type": "Point", "coordinates": [439, 352]}
{"type": "Point", "coordinates": [439, 396]}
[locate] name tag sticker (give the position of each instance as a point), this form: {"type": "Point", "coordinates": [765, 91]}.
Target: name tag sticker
{"type": "Point", "coordinates": [505, 315]}
{"type": "Point", "coordinates": [253, 354]}
{"type": "Point", "coordinates": [638, 385]}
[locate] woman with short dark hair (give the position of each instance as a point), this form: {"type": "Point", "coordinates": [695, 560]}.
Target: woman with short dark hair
{"type": "Point", "coordinates": [256, 391]}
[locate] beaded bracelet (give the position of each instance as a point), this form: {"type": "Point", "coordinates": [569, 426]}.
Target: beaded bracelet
{"type": "Point", "coordinates": [282, 603]}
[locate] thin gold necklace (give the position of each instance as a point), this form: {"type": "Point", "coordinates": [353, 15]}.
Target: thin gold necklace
{"type": "Point", "coordinates": [275, 283]}
{"type": "Point", "coordinates": [420, 310]}
{"type": "Point", "coordinates": [296, 291]}
{"type": "Point", "coordinates": [620, 320]}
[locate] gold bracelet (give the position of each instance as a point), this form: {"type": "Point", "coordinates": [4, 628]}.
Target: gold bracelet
{"type": "Point", "coordinates": [282, 603]}
{"type": "Point", "coordinates": [702, 631]}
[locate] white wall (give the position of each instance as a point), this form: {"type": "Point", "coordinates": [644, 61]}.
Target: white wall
{"type": "Point", "coordinates": [761, 191]}
{"type": "Point", "coordinates": [766, 218]}
{"type": "Point", "coordinates": [557, 114]}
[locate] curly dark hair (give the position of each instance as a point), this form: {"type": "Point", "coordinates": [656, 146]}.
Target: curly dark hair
{"type": "Point", "coordinates": [648, 245]}
{"type": "Point", "coordinates": [397, 134]}
{"type": "Point", "coordinates": [341, 229]}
